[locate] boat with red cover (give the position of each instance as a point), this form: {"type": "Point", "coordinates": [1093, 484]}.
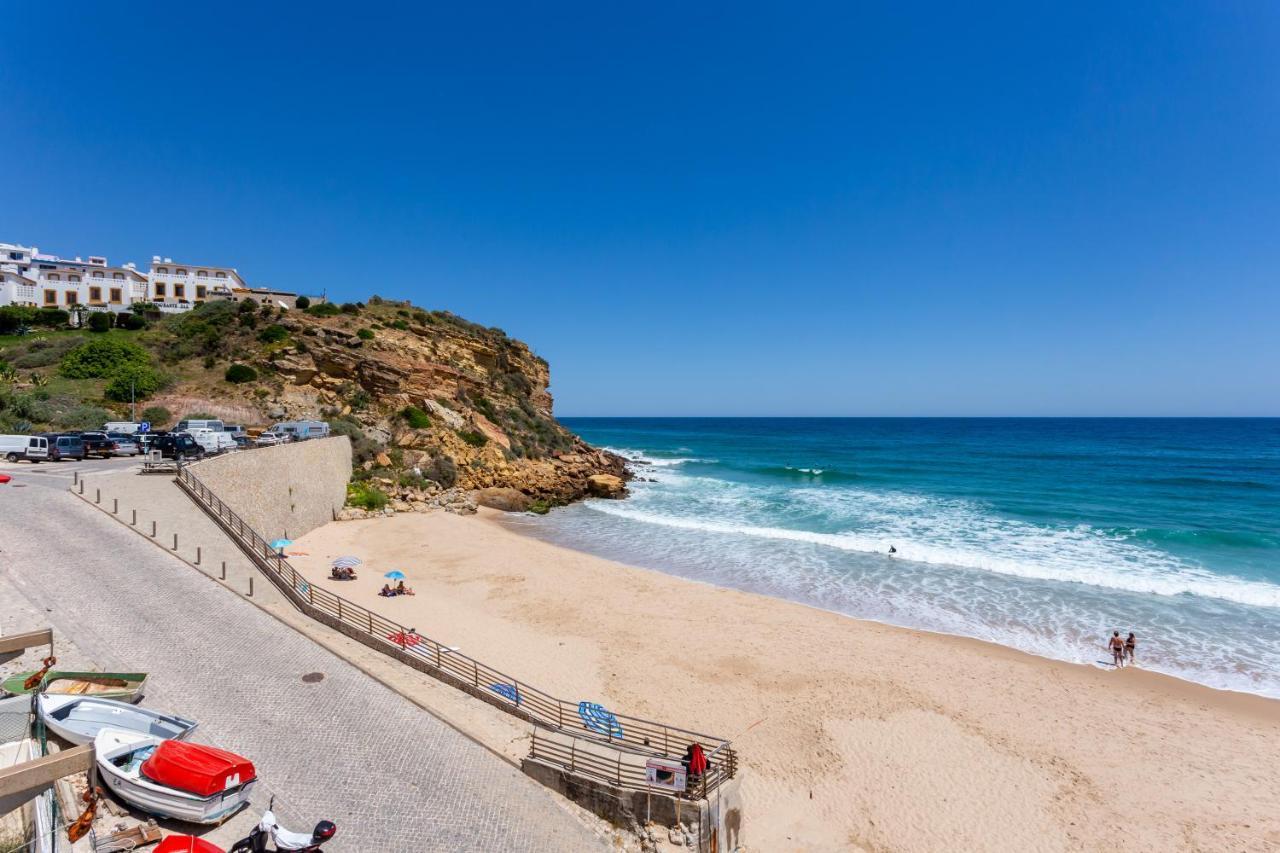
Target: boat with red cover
{"type": "Point", "coordinates": [172, 778]}
{"type": "Point", "coordinates": [186, 844]}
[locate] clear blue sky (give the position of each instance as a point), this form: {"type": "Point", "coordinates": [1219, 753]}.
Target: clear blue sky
{"type": "Point", "coordinates": [895, 209]}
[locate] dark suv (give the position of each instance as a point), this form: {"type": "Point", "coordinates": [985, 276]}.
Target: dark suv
{"type": "Point", "coordinates": [64, 446]}
{"type": "Point", "coordinates": [177, 445]}
{"type": "Point", "coordinates": [98, 443]}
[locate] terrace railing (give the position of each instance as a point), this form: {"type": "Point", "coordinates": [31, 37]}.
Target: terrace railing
{"type": "Point", "coordinates": [591, 725]}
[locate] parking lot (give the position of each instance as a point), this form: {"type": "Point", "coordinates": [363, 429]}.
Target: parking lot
{"type": "Point", "coordinates": [61, 474]}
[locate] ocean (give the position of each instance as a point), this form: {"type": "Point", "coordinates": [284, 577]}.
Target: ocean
{"type": "Point", "coordinates": [1040, 534]}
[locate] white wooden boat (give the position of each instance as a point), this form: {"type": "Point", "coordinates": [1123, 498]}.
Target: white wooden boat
{"type": "Point", "coordinates": [171, 778]}
{"type": "Point", "coordinates": [80, 718]}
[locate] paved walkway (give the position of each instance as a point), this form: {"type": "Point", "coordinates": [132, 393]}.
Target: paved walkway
{"type": "Point", "coordinates": [390, 775]}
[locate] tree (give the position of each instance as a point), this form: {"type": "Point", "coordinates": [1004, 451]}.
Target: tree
{"type": "Point", "coordinates": [133, 382]}
{"type": "Point", "coordinates": [303, 303]}
{"type": "Point", "coordinates": [157, 416]}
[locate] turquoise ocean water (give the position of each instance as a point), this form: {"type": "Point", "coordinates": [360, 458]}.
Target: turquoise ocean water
{"type": "Point", "coordinates": [1043, 534]}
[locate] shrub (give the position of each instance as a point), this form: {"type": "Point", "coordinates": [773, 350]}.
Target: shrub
{"type": "Point", "coordinates": [415, 417]}
{"type": "Point", "coordinates": [240, 373]}
{"type": "Point", "coordinates": [273, 334]}
{"type": "Point", "coordinates": [366, 496]}
{"type": "Point", "coordinates": [302, 302]}
{"type": "Point", "coordinates": [132, 322]}
{"type": "Point", "coordinates": [363, 448]}
{"type": "Point", "coordinates": [100, 321]}
{"type": "Point", "coordinates": [52, 318]}
{"type": "Point", "coordinates": [323, 309]}
{"type": "Point", "coordinates": [350, 308]}
{"type": "Point", "coordinates": [540, 506]}
{"type": "Point", "coordinates": [43, 352]}
{"type": "Point", "coordinates": [249, 320]}
{"type": "Point", "coordinates": [101, 358]}
{"type": "Point", "coordinates": [365, 334]}
{"type": "Point", "coordinates": [133, 382]}
{"type": "Point", "coordinates": [473, 438]}
{"type": "Point", "coordinates": [157, 416]}
{"type": "Point", "coordinates": [402, 325]}
{"type": "Point", "coordinates": [442, 470]}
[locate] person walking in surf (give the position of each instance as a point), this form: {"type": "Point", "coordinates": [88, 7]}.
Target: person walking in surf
{"type": "Point", "coordinates": [1117, 649]}
{"type": "Point", "coordinates": [1130, 646]}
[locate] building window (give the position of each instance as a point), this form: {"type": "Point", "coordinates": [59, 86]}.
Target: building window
{"type": "Point", "coordinates": [162, 270]}
{"type": "Point", "coordinates": [159, 290]}
{"type": "Point", "coordinates": [73, 278]}
{"type": "Point", "coordinates": [179, 291]}
{"type": "Point", "coordinates": [53, 276]}
{"type": "Point", "coordinates": [97, 274]}
{"type": "Point", "coordinates": [179, 272]}
{"type": "Point", "coordinates": [70, 296]}
{"type": "Point", "coordinates": [51, 297]}
{"type": "Point", "coordinates": [201, 274]}
{"type": "Point", "coordinates": [219, 275]}
{"type": "Point", "coordinates": [95, 294]}
{"type": "Point", "coordinates": [117, 296]}
{"type": "Point", "coordinates": [200, 291]}
{"type": "Point", "coordinates": [118, 276]}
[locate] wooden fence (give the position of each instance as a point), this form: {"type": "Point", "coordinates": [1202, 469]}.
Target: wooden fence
{"type": "Point", "coordinates": [577, 720]}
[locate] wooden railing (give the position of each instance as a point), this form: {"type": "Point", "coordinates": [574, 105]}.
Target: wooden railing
{"type": "Point", "coordinates": [630, 734]}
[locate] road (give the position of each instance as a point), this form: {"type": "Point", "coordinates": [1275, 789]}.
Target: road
{"type": "Point", "coordinates": [346, 748]}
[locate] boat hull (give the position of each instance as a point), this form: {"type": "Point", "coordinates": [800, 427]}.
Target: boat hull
{"type": "Point", "coordinates": [79, 719]}
{"type": "Point", "coordinates": [122, 686]}
{"type": "Point", "coordinates": [120, 755]}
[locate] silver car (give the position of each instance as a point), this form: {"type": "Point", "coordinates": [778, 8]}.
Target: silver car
{"type": "Point", "coordinates": [126, 445]}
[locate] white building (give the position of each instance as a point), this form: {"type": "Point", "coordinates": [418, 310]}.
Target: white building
{"type": "Point", "coordinates": [179, 287]}
{"type": "Point", "coordinates": [95, 284]}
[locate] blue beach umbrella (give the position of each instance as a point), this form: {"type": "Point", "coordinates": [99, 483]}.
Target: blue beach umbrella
{"type": "Point", "coordinates": [281, 543]}
{"type": "Point", "coordinates": [395, 576]}
{"type": "Point", "coordinates": [346, 562]}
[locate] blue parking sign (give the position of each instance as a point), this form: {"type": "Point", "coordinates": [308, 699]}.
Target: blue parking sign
{"type": "Point", "coordinates": [145, 426]}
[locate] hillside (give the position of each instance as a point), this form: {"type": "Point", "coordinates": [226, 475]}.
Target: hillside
{"type": "Point", "coordinates": [431, 401]}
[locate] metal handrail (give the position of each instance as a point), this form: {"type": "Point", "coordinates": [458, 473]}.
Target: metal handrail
{"type": "Point", "coordinates": [625, 733]}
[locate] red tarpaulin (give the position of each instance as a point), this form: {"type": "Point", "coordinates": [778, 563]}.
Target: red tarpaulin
{"type": "Point", "coordinates": [197, 769]}
{"type": "Point", "coordinates": [186, 844]}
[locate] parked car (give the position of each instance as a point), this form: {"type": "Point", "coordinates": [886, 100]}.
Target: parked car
{"type": "Point", "coordinates": [97, 443]}
{"type": "Point", "coordinates": [213, 441]}
{"type": "Point", "coordinates": [33, 448]}
{"type": "Point", "coordinates": [126, 445]}
{"type": "Point", "coordinates": [302, 430]}
{"type": "Point", "coordinates": [178, 445]}
{"type": "Point", "coordinates": [64, 446]}
{"type": "Point", "coordinates": [272, 437]}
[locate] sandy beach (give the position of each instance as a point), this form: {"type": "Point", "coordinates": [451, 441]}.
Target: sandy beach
{"type": "Point", "coordinates": [869, 736]}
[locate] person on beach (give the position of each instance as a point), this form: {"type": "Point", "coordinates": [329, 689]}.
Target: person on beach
{"type": "Point", "coordinates": [1130, 646]}
{"type": "Point", "coordinates": [1117, 649]}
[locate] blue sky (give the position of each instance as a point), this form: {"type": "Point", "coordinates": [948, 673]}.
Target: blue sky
{"type": "Point", "coordinates": [737, 209]}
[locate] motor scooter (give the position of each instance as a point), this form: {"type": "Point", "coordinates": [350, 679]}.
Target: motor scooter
{"type": "Point", "coordinates": [269, 829]}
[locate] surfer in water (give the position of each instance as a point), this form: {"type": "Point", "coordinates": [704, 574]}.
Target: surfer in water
{"type": "Point", "coordinates": [892, 550]}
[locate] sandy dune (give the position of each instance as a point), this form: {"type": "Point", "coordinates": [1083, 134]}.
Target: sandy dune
{"type": "Point", "coordinates": [872, 737]}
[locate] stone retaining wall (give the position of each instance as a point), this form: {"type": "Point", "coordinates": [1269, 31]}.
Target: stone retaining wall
{"type": "Point", "coordinates": [285, 491]}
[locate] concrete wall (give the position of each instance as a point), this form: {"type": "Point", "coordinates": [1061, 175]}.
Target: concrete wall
{"type": "Point", "coordinates": [282, 491]}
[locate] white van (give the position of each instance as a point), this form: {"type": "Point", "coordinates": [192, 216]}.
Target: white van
{"type": "Point", "coordinates": [34, 448]}
{"type": "Point", "coordinates": [189, 425]}
{"type": "Point", "coordinates": [125, 427]}
{"type": "Point", "coordinates": [213, 441]}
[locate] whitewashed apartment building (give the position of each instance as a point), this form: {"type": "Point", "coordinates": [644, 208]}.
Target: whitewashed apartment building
{"type": "Point", "coordinates": [28, 277]}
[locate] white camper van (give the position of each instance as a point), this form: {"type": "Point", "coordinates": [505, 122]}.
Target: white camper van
{"type": "Point", "coordinates": [33, 448]}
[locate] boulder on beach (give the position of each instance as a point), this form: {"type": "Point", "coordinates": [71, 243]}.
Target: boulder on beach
{"type": "Point", "coordinates": [606, 486]}
{"type": "Point", "coordinates": [505, 499]}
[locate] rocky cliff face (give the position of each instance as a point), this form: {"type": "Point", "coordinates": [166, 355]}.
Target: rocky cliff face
{"type": "Point", "coordinates": [432, 401]}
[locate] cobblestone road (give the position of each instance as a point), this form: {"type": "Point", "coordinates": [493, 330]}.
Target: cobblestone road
{"type": "Point", "coordinates": [390, 775]}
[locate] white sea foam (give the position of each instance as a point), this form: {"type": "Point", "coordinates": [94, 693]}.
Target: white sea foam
{"type": "Point", "coordinates": [932, 531]}
{"type": "Point", "coordinates": [639, 457]}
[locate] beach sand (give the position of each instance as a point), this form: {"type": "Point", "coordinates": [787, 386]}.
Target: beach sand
{"type": "Point", "coordinates": [873, 737]}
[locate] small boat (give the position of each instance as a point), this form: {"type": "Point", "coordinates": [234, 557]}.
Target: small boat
{"type": "Point", "coordinates": [80, 718]}
{"type": "Point", "coordinates": [124, 686]}
{"type": "Point", "coordinates": [173, 778]}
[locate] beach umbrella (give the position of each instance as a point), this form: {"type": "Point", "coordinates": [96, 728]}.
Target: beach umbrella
{"type": "Point", "coordinates": [281, 543]}
{"type": "Point", "coordinates": [395, 576]}
{"type": "Point", "coordinates": [347, 562]}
